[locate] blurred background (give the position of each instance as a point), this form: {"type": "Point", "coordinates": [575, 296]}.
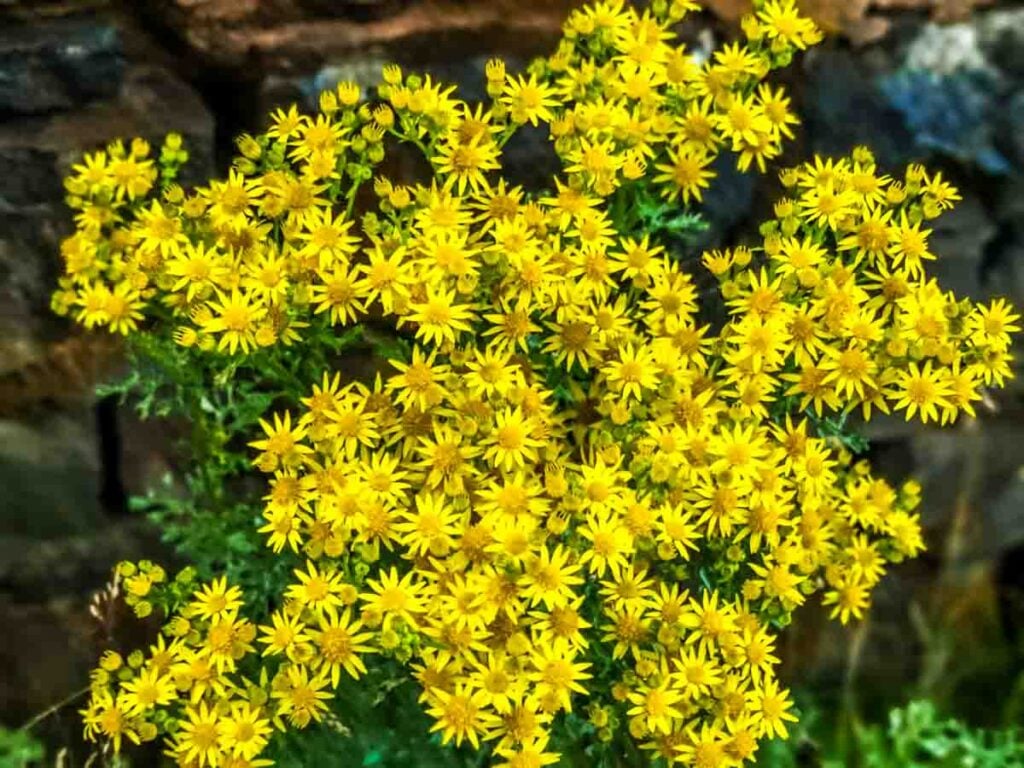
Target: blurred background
{"type": "Point", "coordinates": [934, 81]}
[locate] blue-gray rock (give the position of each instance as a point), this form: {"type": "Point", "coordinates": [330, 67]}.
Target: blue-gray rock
{"type": "Point", "coordinates": [57, 65]}
{"type": "Point", "coordinates": [1012, 134]}
{"type": "Point", "coordinates": [1001, 37]}
{"type": "Point", "coordinates": [843, 107]}
{"type": "Point", "coordinates": [937, 92]}
{"type": "Point", "coordinates": [951, 114]}
{"type": "Point", "coordinates": [27, 178]}
{"type": "Point", "coordinates": [50, 472]}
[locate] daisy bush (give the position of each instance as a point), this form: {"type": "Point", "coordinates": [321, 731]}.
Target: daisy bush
{"type": "Point", "coordinates": [582, 497]}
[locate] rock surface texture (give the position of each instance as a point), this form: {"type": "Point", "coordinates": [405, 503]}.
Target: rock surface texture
{"type": "Point", "coordinates": [945, 87]}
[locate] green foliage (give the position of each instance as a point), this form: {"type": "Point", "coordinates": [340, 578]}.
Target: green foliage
{"type": "Point", "coordinates": [208, 509]}
{"type": "Point", "coordinates": [639, 208]}
{"type": "Point", "coordinates": [914, 737]}
{"type": "Point", "coordinates": [376, 723]}
{"type": "Point", "coordinates": [838, 430]}
{"type": "Point", "coordinates": [19, 748]}
{"type": "Point", "coordinates": [917, 738]}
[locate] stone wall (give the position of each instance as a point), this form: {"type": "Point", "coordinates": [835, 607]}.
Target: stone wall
{"type": "Point", "coordinates": [932, 82]}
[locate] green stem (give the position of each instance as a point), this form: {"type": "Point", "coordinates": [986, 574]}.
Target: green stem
{"type": "Point", "coordinates": [351, 197]}
{"type": "Point", "coordinates": [403, 137]}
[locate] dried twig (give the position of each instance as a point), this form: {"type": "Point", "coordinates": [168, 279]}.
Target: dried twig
{"type": "Point", "coordinates": [54, 708]}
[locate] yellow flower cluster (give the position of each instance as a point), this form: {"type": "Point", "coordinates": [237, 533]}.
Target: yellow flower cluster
{"type": "Point", "coordinates": [836, 310]}
{"type": "Point", "coordinates": [573, 488]}
{"type": "Point", "coordinates": [251, 260]}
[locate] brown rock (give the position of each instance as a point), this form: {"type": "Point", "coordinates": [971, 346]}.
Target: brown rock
{"type": "Point", "coordinates": [44, 656]}
{"type": "Point", "coordinates": [35, 10]}
{"type": "Point", "coordinates": [61, 373]}
{"type": "Point", "coordinates": [276, 34]}
{"type": "Point", "coordinates": [51, 473]}
{"type": "Point", "coordinates": [151, 103]}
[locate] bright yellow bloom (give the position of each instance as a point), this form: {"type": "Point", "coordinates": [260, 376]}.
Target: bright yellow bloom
{"type": "Point", "coordinates": [317, 589]}
{"type": "Point", "coordinates": [246, 731]}
{"type": "Point", "coordinates": [201, 738]}
{"type": "Point", "coordinates": [148, 690]}
{"type": "Point", "coordinates": [922, 390]}
{"type": "Point", "coordinates": [656, 707]}
{"type": "Point", "coordinates": [686, 174]}
{"type": "Point", "coordinates": [549, 578]}
{"type": "Point", "coordinates": [339, 644]}
{"type": "Point", "coordinates": [439, 317]}
{"type": "Point", "coordinates": [216, 600]}
{"type": "Point", "coordinates": [460, 715]}
{"type": "Point", "coordinates": [528, 101]}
